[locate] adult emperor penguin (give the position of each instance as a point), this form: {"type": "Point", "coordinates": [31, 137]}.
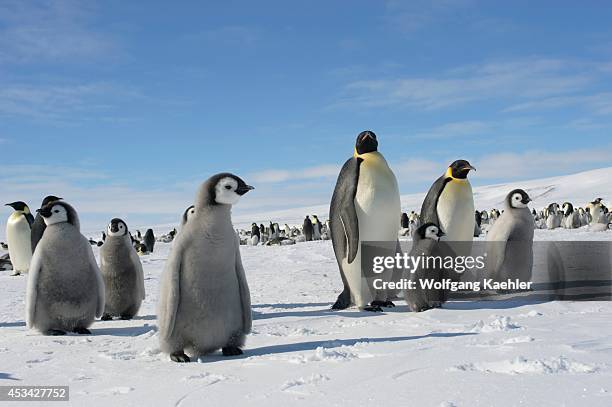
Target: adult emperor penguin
{"type": "Point", "coordinates": [510, 240]}
{"type": "Point", "coordinates": [18, 232]}
{"type": "Point", "coordinates": [204, 296]}
{"type": "Point", "coordinates": [65, 290]}
{"type": "Point", "coordinates": [365, 206]}
{"type": "Point", "coordinates": [122, 273]}
{"type": "Point", "coordinates": [571, 217]}
{"type": "Point", "coordinates": [255, 235]}
{"type": "Point", "coordinates": [450, 203]}
{"type": "Point", "coordinates": [38, 227]}
{"type": "Point", "coordinates": [308, 229]}
{"type": "Point", "coordinates": [149, 240]}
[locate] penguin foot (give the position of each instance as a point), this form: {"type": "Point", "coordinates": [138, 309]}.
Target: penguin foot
{"type": "Point", "coordinates": [106, 317]}
{"type": "Point", "coordinates": [343, 301]}
{"type": "Point", "coordinates": [125, 317]}
{"type": "Point", "coordinates": [82, 331]}
{"type": "Point", "coordinates": [55, 332]}
{"type": "Point", "coordinates": [384, 304]}
{"type": "Point", "coordinates": [373, 308]}
{"type": "Point", "coordinates": [179, 357]}
{"type": "Point", "coordinates": [16, 273]}
{"type": "Point", "coordinates": [231, 351]}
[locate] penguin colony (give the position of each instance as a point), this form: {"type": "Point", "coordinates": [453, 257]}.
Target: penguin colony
{"type": "Point", "coordinates": [204, 302]}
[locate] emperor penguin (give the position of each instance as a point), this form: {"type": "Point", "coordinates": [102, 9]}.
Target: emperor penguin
{"type": "Point", "coordinates": [316, 228]}
{"type": "Point", "coordinates": [365, 206]}
{"type": "Point", "coordinates": [450, 203]}
{"type": "Point", "coordinates": [571, 218]}
{"type": "Point", "coordinates": [18, 234]}
{"type": "Point", "coordinates": [187, 215]}
{"type": "Point", "coordinates": [204, 299]}
{"type": "Point", "coordinates": [122, 273]}
{"type": "Point", "coordinates": [65, 290]}
{"type": "Point", "coordinates": [149, 240]}
{"type": "Point", "coordinates": [510, 240]}
{"type": "Point", "coordinates": [554, 218]}
{"type": "Point", "coordinates": [477, 225]}
{"type": "Point", "coordinates": [308, 229]}
{"type": "Point", "coordinates": [38, 227]}
{"type": "Point", "coordinates": [255, 235]}
{"type": "Point", "coordinates": [426, 242]}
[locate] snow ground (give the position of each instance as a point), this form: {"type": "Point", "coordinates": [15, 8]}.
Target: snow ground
{"type": "Point", "coordinates": [301, 353]}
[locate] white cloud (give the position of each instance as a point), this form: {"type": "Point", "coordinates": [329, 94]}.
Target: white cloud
{"type": "Point", "coordinates": [281, 175]}
{"type": "Point", "coordinates": [55, 31]}
{"type": "Point", "coordinates": [455, 129]}
{"type": "Point", "coordinates": [599, 103]}
{"type": "Point", "coordinates": [525, 79]}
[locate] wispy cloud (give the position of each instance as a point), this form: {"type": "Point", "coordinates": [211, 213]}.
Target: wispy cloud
{"type": "Point", "coordinates": [229, 35]}
{"type": "Point", "coordinates": [526, 79]}
{"type": "Point", "coordinates": [455, 129]}
{"type": "Point", "coordinates": [599, 103]}
{"type": "Point", "coordinates": [282, 175]}
{"type": "Point", "coordinates": [50, 31]}
{"type": "Point", "coordinates": [411, 16]}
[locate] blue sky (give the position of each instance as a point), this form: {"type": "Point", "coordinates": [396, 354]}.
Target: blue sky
{"type": "Point", "coordinates": [124, 108]}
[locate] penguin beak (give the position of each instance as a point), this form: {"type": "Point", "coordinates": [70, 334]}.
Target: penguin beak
{"type": "Point", "coordinates": [114, 227]}
{"type": "Point", "coordinates": [440, 233]}
{"type": "Point", "coordinates": [45, 211]}
{"type": "Point", "coordinates": [526, 200]}
{"type": "Point", "coordinates": [241, 190]}
{"type": "Point", "coordinates": [469, 167]}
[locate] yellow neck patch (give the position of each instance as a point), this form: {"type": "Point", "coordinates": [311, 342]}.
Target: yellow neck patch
{"type": "Point", "coordinates": [449, 174]}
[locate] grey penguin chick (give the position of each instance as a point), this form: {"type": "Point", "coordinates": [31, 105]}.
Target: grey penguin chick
{"type": "Point", "coordinates": [426, 243]}
{"type": "Point", "coordinates": [510, 240]}
{"type": "Point", "coordinates": [65, 290]}
{"type": "Point", "coordinates": [122, 273]}
{"type": "Point", "coordinates": [204, 301]}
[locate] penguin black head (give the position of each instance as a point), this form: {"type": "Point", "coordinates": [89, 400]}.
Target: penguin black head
{"type": "Point", "coordinates": [49, 199]}
{"type": "Point", "coordinates": [517, 198]}
{"type": "Point", "coordinates": [224, 189]}
{"type": "Point", "coordinates": [569, 207]}
{"type": "Point", "coordinates": [117, 227]}
{"type": "Point", "coordinates": [188, 213]}
{"type": "Point", "coordinates": [429, 230]}
{"type": "Point", "coordinates": [58, 212]}
{"type": "Point", "coordinates": [366, 142]}
{"type": "Point", "coordinates": [459, 169]}
{"type": "Point", "coordinates": [19, 206]}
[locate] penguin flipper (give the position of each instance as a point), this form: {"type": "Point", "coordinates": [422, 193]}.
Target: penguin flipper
{"type": "Point", "coordinates": [429, 211]}
{"type": "Point", "coordinates": [99, 280]}
{"type": "Point", "coordinates": [169, 294]}
{"type": "Point", "coordinates": [140, 273]}
{"type": "Point", "coordinates": [245, 295]}
{"type": "Point", "coordinates": [345, 224]}
{"type": "Point", "coordinates": [32, 288]}
{"type": "Point", "coordinates": [29, 218]}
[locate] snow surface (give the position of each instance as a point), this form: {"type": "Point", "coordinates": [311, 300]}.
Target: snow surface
{"type": "Point", "coordinates": [301, 353]}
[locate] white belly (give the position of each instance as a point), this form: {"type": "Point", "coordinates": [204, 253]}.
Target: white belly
{"type": "Point", "coordinates": [19, 241]}
{"type": "Point", "coordinates": [377, 204]}
{"type": "Point", "coordinates": [456, 211]}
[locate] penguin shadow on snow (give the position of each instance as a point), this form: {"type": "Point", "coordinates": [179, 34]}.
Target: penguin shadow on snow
{"type": "Point", "coordinates": [327, 344]}
{"type": "Point", "coordinates": [292, 305]}
{"type": "Point", "coordinates": [123, 330]}
{"type": "Point", "coordinates": [12, 324]}
{"type": "Point", "coordinates": [474, 305]}
{"type": "Point", "coordinates": [8, 376]}
{"type": "Point", "coordinates": [319, 313]}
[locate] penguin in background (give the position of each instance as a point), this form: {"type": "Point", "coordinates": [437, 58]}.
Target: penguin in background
{"type": "Point", "coordinates": [149, 240]}
{"type": "Point", "coordinates": [287, 230]}
{"type": "Point", "coordinates": [571, 219]}
{"type": "Point", "coordinates": [18, 235]}
{"type": "Point", "coordinates": [204, 301]}
{"type": "Point", "coordinates": [510, 240]}
{"type": "Point", "coordinates": [187, 215]}
{"type": "Point", "coordinates": [308, 229]}
{"type": "Point", "coordinates": [426, 242]}
{"type": "Point", "coordinates": [404, 221]}
{"type": "Point", "coordinates": [38, 227]}
{"type": "Point", "coordinates": [255, 236]}
{"type": "Point", "coordinates": [365, 206]}
{"type": "Point", "coordinates": [65, 290]}
{"type": "Point", "coordinates": [122, 273]}
{"type": "Point", "coordinates": [478, 223]}
{"type": "Point", "coordinates": [450, 203]}
{"type": "Point", "coordinates": [554, 218]}
{"type": "Point", "coordinates": [316, 228]}
{"type": "Point", "coordinates": [484, 218]}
